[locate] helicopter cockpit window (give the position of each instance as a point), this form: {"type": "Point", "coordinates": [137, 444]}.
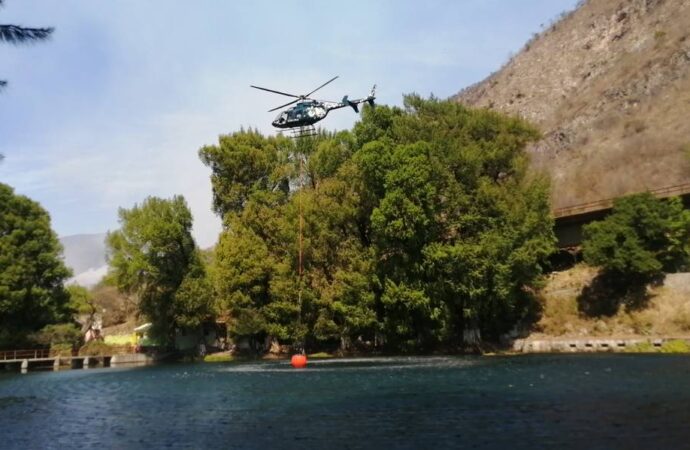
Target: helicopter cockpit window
{"type": "Point", "coordinates": [282, 117]}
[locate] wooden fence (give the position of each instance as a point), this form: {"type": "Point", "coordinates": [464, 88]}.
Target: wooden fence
{"type": "Point", "coordinates": [24, 354]}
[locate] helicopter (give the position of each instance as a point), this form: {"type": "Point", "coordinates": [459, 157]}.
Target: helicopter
{"type": "Point", "coordinates": [301, 117]}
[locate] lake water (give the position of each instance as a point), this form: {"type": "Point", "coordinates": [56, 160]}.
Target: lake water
{"type": "Point", "coordinates": [569, 401]}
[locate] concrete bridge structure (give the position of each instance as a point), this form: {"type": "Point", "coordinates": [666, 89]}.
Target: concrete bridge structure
{"type": "Point", "coordinates": [569, 220]}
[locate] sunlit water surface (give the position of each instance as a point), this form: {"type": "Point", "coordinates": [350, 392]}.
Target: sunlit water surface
{"type": "Point", "coordinates": [575, 401]}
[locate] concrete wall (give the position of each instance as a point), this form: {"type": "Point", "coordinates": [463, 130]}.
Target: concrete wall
{"type": "Point", "coordinates": [583, 345]}
{"type": "Point", "coordinates": [138, 359]}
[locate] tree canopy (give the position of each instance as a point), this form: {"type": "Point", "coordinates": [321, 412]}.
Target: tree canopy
{"type": "Point", "coordinates": [31, 269]}
{"type": "Point", "coordinates": [154, 257]}
{"type": "Point", "coordinates": [642, 237]}
{"type": "Point", "coordinates": [421, 228]}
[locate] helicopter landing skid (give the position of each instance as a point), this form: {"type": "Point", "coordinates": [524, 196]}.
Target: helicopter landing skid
{"type": "Point", "coordinates": [302, 132]}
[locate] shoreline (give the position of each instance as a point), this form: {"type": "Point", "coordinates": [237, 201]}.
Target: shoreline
{"type": "Point", "coordinates": [667, 344]}
{"type": "Point", "coordinates": [540, 345]}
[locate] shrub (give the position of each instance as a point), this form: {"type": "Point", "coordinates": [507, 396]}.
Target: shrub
{"type": "Point", "coordinates": [222, 357]}
{"type": "Point", "coordinates": [62, 333]}
{"type": "Point", "coordinates": [675, 346]}
{"type": "Point", "coordinates": [61, 350]}
{"type": "Point", "coordinates": [96, 348]}
{"type": "Point", "coordinates": [642, 347]}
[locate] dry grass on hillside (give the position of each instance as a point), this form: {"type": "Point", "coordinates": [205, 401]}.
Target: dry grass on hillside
{"type": "Point", "coordinates": [667, 313]}
{"type": "Point", "coordinates": [609, 85]}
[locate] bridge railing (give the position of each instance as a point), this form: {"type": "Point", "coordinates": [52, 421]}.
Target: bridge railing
{"type": "Point", "coordinates": [24, 354]}
{"type": "Point", "coordinates": [8, 355]}
{"type": "Point", "coordinates": [583, 208]}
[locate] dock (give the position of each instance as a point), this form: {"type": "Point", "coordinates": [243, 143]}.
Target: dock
{"type": "Point", "coordinates": [41, 359]}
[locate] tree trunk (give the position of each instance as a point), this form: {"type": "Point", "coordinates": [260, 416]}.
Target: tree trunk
{"type": "Point", "coordinates": [345, 343]}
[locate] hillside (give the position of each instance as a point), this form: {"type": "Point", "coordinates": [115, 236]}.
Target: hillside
{"type": "Point", "coordinates": [666, 313]}
{"type": "Point", "coordinates": [609, 86]}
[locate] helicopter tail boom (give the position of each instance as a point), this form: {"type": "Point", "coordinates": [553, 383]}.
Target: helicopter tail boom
{"type": "Point", "coordinates": [350, 103]}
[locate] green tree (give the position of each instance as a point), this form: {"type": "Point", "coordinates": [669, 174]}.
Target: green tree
{"type": "Point", "coordinates": [420, 227]}
{"type": "Point", "coordinates": [458, 227]}
{"type": "Point", "coordinates": [81, 300]}
{"type": "Point", "coordinates": [243, 163]}
{"type": "Point", "coordinates": [31, 269]}
{"type": "Point", "coordinates": [642, 238]}
{"type": "Point", "coordinates": [14, 34]}
{"type": "Point", "coordinates": [154, 257]}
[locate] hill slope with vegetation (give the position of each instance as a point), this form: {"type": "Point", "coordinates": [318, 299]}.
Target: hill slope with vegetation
{"type": "Point", "coordinates": [635, 279]}
{"type": "Point", "coordinates": [666, 313]}
{"type": "Point", "coordinates": [609, 85]}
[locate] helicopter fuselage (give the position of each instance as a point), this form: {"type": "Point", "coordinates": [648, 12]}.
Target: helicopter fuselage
{"type": "Point", "coordinates": [303, 114]}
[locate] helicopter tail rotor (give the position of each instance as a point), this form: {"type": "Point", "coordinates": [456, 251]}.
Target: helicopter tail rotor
{"type": "Point", "coordinates": [372, 97]}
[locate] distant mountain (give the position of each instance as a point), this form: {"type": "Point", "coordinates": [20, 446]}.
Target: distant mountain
{"type": "Point", "coordinates": [85, 255]}
{"type": "Point", "coordinates": [609, 86]}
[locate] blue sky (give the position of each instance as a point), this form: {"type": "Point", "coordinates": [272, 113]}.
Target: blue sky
{"type": "Point", "coordinates": [116, 105]}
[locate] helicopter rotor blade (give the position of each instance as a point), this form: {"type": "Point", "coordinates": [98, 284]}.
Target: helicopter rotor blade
{"type": "Point", "coordinates": [322, 85]}
{"type": "Point", "coordinates": [283, 106]}
{"type": "Point", "coordinates": [274, 91]}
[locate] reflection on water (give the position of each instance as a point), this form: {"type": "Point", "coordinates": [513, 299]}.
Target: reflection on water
{"type": "Point", "coordinates": [573, 401]}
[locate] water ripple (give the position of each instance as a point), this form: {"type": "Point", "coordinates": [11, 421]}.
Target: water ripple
{"type": "Point", "coordinates": [592, 401]}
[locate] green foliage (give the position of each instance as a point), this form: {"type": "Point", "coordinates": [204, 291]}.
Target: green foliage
{"type": "Point", "coordinates": [31, 269]}
{"type": "Point", "coordinates": [193, 302]}
{"type": "Point", "coordinates": [61, 349]}
{"type": "Point", "coordinates": [62, 333]}
{"type": "Point", "coordinates": [675, 346]}
{"type": "Point", "coordinates": [419, 225]}
{"type": "Point", "coordinates": [672, 346]}
{"type": "Point", "coordinates": [221, 357]}
{"type": "Point", "coordinates": [642, 347]}
{"type": "Point", "coordinates": [244, 163]}
{"type": "Point", "coordinates": [81, 300]}
{"type": "Point", "coordinates": [641, 239]}
{"type": "Point", "coordinates": [153, 256]}
{"type": "Point", "coordinates": [96, 348]}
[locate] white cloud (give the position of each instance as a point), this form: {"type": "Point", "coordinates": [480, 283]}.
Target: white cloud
{"type": "Point", "coordinates": [89, 278]}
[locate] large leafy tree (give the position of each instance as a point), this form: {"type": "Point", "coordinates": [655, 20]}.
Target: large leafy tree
{"type": "Point", "coordinates": [154, 257]}
{"type": "Point", "coordinates": [31, 269]}
{"type": "Point", "coordinates": [459, 228]}
{"type": "Point", "coordinates": [421, 227]}
{"type": "Point", "coordinates": [15, 34]}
